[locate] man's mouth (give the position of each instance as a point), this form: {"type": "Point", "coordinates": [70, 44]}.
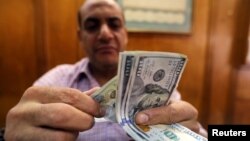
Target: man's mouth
{"type": "Point", "coordinates": [105, 49]}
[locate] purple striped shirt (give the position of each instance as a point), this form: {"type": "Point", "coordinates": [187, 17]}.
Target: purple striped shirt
{"type": "Point", "coordinates": [78, 76]}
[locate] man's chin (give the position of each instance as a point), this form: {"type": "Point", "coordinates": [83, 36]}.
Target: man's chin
{"type": "Point", "coordinates": [108, 58]}
{"type": "Point", "coordinates": [109, 62]}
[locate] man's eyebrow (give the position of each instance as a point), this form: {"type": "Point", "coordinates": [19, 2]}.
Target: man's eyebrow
{"type": "Point", "coordinates": [90, 19]}
{"type": "Point", "coordinates": [115, 17]}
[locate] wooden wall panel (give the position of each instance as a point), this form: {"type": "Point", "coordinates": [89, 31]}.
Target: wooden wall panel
{"type": "Point", "coordinates": [61, 35]}
{"type": "Point", "coordinates": [241, 104]}
{"type": "Point", "coordinates": [227, 48]}
{"type": "Point", "coordinates": [219, 69]}
{"type": "Point", "coordinates": [17, 53]}
{"type": "Point", "coordinates": [57, 26]}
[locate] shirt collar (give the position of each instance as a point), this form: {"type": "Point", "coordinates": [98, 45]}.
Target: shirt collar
{"type": "Point", "coordinates": [82, 70]}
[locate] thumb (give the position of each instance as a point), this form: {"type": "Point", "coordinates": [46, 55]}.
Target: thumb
{"type": "Point", "coordinates": [91, 91]}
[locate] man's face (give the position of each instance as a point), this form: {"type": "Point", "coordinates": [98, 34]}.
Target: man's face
{"type": "Point", "coordinates": [103, 33]}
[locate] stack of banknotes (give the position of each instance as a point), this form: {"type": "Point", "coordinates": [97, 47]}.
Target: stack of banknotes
{"type": "Point", "coordinates": [144, 80]}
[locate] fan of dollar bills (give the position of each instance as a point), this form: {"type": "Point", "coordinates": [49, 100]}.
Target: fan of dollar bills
{"type": "Point", "coordinates": [144, 80]}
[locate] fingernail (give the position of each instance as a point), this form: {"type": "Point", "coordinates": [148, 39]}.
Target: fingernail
{"type": "Point", "coordinates": [143, 118]}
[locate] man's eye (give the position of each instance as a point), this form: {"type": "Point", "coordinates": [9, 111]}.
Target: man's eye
{"type": "Point", "coordinates": [114, 24]}
{"type": "Point", "coordinates": [91, 25]}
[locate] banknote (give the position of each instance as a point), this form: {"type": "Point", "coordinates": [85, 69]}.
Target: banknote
{"type": "Point", "coordinates": [126, 61]}
{"type": "Point", "coordinates": [144, 80]}
{"type": "Point", "coordinates": [155, 78]}
{"type": "Point", "coordinates": [152, 80]}
{"type": "Point", "coordinates": [106, 97]}
{"type": "Point", "coordinates": [163, 132]}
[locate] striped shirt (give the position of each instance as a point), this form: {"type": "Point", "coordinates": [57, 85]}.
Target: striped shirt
{"type": "Point", "coordinates": [78, 76]}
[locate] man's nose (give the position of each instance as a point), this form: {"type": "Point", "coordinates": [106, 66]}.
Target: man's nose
{"type": "Point", "coordinates": [105, 32]}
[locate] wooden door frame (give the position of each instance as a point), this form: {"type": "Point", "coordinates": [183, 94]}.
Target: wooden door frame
{"type": "Point", "coordinates": [224, 58]}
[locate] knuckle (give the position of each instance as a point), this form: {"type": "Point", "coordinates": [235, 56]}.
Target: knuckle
{"type": "Point", "coordinates": [14, 114]}
{"type": "Point", "coordinates": [89, 123]}
{"type": "Point", "coordinates": [70, 96]}
{"type": "Point", "coordinates": [30, 92]}
{"type": "Point", "coordinates": [93, 109]}
{"type": "Point", "coordinates": [59, 116]}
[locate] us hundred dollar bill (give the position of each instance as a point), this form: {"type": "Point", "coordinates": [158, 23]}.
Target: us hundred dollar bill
{"type": "Point", "coordinates": [106, 97]}
{"type": "Point", "coordinates": [145, 80]}
{"type": "Point", "coordinates": [153, 78]}
{"type": "Point", "coordinates": [173, 132]}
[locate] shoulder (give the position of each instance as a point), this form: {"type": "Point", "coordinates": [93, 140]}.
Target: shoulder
{"type": "Point", "coordinates": [62, 69]}
{"type": "Point", "coordinates": [60, 75]}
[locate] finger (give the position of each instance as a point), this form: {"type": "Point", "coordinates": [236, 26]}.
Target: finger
{"type": "Point", "coordinates": [177, 111]}
{"type": "Point", "coordinates": [91, 91]}
{"type": "Point", "coordinates": [57, 135]}
{"type": "Point", "coordinates": [70, 96]}
{"type": "Point", "coordinates": [193, 125]}
{"type": "Point", "coordinates": [40, 134]}
{"type": "Point", "coordinates": [59, 116]}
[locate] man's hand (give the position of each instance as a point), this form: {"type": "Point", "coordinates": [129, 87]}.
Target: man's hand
{"type": "Point", "coordinates": [49, 113]}
{"type": "Point", "coordinates": [175, 112]}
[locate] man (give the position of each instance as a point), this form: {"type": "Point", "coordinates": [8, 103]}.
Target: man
{"type": "Point", "coordinates": [59, 106]}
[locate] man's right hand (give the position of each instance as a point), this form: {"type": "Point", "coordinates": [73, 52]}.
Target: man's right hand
{"type": "Point", "coordinates": [51, 114]}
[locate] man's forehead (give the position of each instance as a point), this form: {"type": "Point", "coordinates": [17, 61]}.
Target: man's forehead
{"type": "Point", "coordinates": [88, 9]}
{"type": "Point", "coordinates": [89, 2]}
{"type": "Point", "coordinates": [97, 3]}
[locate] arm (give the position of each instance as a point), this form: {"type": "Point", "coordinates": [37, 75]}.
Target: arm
{"type": "Point", "coordinates": [51, 113]}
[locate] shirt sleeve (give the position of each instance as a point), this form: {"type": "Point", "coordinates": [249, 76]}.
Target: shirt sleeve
{"type": "Point", "coordinates": [57, 76]}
